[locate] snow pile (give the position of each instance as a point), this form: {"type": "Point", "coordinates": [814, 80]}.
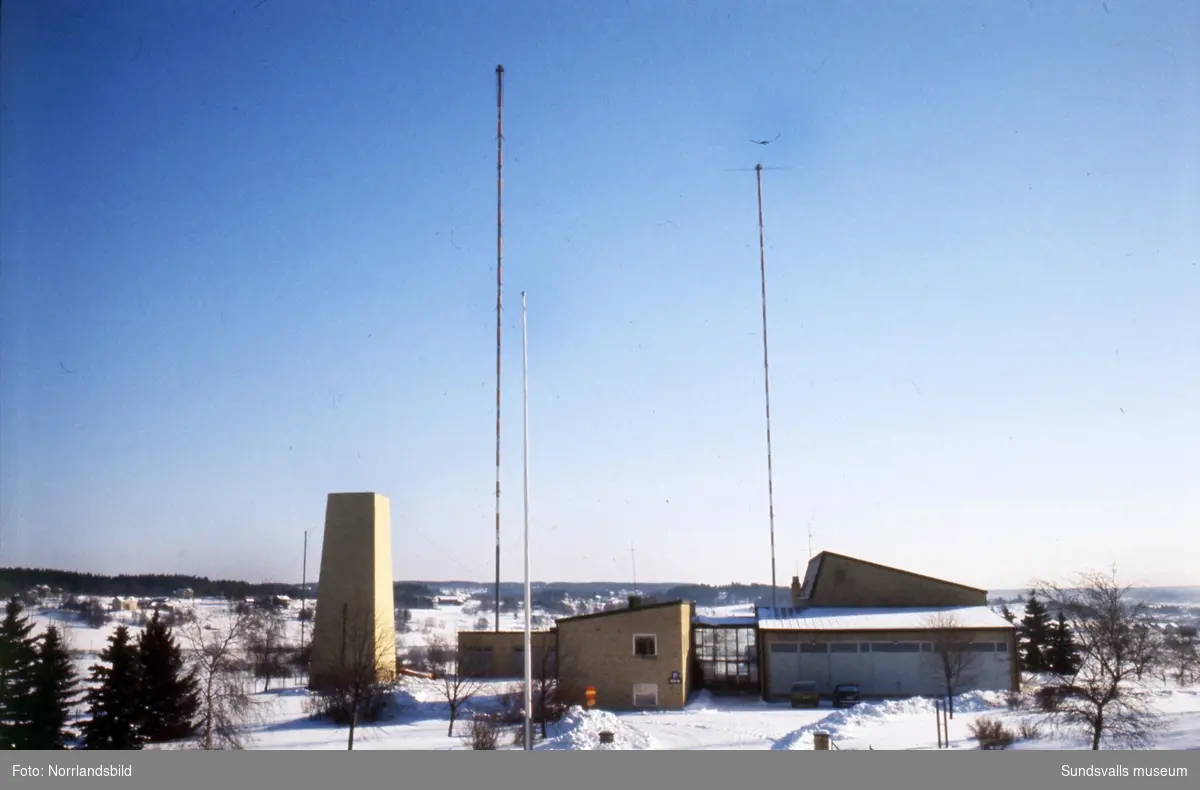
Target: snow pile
{"type": "Point", "coordinates": [702, 701]}
{"type": "Point", "coordinates": [865, 713]}
{"type": "Point", "coordinates": [579, 730]}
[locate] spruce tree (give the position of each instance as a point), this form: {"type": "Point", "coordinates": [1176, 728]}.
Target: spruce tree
{"type": "Point", "coordinates": [169, 694]}
{"type": "Point", "coordinates": [53, 692]}
{"type": "Point", "coordinates": [1035, 635]}
{"type": "Point", "coordinates": [1062, 657]}
{"type": "Point", "coordinates": [115, 698]}
{"type": "Point", "coordinates": [18, 655]}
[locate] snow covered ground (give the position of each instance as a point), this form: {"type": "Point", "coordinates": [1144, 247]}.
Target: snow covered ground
{"type": "Point", "coordinates": [418, 717]}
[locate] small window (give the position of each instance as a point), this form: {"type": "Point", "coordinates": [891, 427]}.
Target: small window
{"type": "Point", "coordinates": [1002, 647]}
{"type": "Point", "coordinates": [842, 647]}
{"type": "Point", "coordinates": [645, 695]}
{"type": "Point", "coordinates": [645, 645]}
{"type": "Point", "coordinates": [864, 647]}
{"type": "Point", "coordinates": [981, 647]}
{"type": "Point", "coordinates": [926, 647]}
{"type": "Point", "coordinates": [783, 647]}
{"type": "Point", "coordinates": [813, 648]}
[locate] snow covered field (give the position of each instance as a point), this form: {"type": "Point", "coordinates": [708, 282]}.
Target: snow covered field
{"type": "Point", "coordinates": [418, 717]}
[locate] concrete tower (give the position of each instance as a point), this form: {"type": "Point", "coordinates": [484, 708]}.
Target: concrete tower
{"type": "Point", "coordinates": [354, 630]}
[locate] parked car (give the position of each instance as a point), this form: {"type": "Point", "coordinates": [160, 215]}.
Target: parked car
{"type": "Point", "coordinates": [805, 695]}
{"type": "Point", "coordinates": [846, 695]}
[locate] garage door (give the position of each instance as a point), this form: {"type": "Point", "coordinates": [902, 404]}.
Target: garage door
{"type": "Point", "coordinates": [898, 669]}
{"type": "Point", "coordinates": [814, 666]}
{"type": "Point", "coordinates": [847, 664]}
{"type": "Point", "coordinates": [990, 670]}
{"type": "Point", "coordinates": [783, 666]}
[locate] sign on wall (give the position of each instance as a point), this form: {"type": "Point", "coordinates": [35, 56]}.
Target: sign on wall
{"type": "Point", "coordinates": [590, 694]}
{"type": "Point", "coordinates": [676, 678]}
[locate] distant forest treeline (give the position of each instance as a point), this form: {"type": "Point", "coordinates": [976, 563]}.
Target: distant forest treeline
{"type": "Point", "coordinates": [18, 580]}
{"type": "Point", "coordinates": [552, 597]}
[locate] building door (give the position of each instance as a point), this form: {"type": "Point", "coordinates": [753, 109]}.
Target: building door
{"type": "Point", "coordinates": [783, 666]}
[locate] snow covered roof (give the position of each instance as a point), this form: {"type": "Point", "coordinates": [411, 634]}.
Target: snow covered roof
{"type": "Point", "coordinates": [839, 618]}
{"type": "Point", "coordinates": [728, 619]}
{"type": "Point", "coordinates": [733, 614]}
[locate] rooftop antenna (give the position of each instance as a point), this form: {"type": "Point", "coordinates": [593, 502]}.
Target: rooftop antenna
{"type": "Point", "coordinates": [499, 300]}
{"type": "Point", "coordinates": [810, 540]}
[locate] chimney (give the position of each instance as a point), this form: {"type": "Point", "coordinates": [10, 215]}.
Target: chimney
{"type": "Point", "coordinates": [635, 601]}
{"type": "Point", "coordinates": [796, 590]}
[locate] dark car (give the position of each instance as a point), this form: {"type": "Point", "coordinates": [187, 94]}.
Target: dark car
{"type": "Point", "coordinates": [804, 694]}
{"type": "Point", "coordinates": [846, 695]}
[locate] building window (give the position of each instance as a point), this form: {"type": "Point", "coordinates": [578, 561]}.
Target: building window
{"type": "Point", "coordinates": [1001, 647]}
{"type": "Point", "coordinates": [645, 645]}
{"type": "Point", "coordinates": [842, 647]}
{"type": "Point", "coordinates": [817, 647]}
{"type": "Point", "coordinates": [896, 647]}
{"type": "Point", "coordinates": [645, 695]}
{"type": "Point", "coordinates": [783, 647]}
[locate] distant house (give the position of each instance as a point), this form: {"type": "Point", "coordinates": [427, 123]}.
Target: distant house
{"type": "Point", "coordinates": [124, 605]}
{"type": "Point", "coordinates": [186, 593]}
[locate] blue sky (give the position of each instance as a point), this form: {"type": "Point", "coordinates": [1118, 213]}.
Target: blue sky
{"type": "Point", "coordinates": [248, 259]}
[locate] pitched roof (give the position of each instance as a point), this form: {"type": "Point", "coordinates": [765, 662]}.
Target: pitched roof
{"type": "Point", "coordinates": [817, 559]}
{"type": "Point", "coordinates": [877, 618]}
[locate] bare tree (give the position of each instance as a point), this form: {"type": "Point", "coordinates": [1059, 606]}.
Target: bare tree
{"type": "Point", "coordinates": [1099, 699]}
{"type": "Point", "coordinates": [266, 646]}
{"type": "Point", "coordinates": [1182, 659]}
{"type": "Point", "coordinates": [1148, 648]}
{"type": "Point", "coordinates": [548, 706]}
{"type": "Point", "coordinates": [954, 657]}
{"type": "Point", "coordinates": [453, 672]}
{"type": "Point", "coordinates": [356, 688]}
{"type": "Point", "coordinates": [226, 704]}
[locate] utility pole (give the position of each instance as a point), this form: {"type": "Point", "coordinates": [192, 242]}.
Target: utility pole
{"type": "Point", "coordinates": [304, 591]}
{"type": "Point", "coordinates": [499, 300]}
{"type": "Point", "coordinates": [762, 264]}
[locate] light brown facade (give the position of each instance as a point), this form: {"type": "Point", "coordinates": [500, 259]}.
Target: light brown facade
{"type": "Point", "coordinates": [501, 654]}
{"type": "Point", "coordinates": [609, 651]}
{"type": "Point", "coordinates": [355, 617]}
{"type": "Point", "coordinates": [837, 580]}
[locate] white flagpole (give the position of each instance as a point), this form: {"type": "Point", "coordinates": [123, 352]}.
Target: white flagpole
{"type": "Point", "coordinates": [528, 594]}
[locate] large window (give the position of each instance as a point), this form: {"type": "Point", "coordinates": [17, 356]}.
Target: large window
{"type": "Point", "coordinates": [645, 695]}
{"type": "Point", "coordinates": [645, 645]}
{"type": "Point", "coordinates": [727, 658]}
